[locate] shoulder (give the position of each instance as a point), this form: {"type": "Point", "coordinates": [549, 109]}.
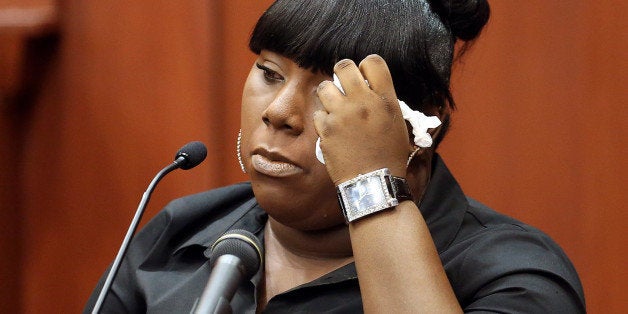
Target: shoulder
{"type": "Point", "coordinates": [183, 217]}
{"type": "Point", "coordinates": [153, 252]}
{"type": "Point", "coordinates": [503, 260]}
{"type": "Point", "coordinates": [212, 202]}
{"type": "Point", "coordinates": [208, 199]}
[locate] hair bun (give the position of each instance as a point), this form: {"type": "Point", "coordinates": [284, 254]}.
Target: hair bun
{"type": "Point", "coordinates": [465, 18]}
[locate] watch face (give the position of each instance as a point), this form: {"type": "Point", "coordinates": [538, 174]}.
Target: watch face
{"type": "Point", "coordinates": [367, 193]}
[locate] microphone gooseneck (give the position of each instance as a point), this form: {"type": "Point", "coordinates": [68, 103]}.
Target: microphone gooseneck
{"type": "Point", "coordinates": [187, 157]}
{"type": "Point", "coordinates": [235, 257]}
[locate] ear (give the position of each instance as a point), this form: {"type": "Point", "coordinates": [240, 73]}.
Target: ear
{"type": "Point", "coordinates": [444, 114]}
{"type": "Point", "coordinates": [419, 171]}
{"type": "Point", "coordinates": [420, 163]}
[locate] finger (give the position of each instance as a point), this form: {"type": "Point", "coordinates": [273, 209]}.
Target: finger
{"type": "Point", "coordinates": [319, 122]}
{"type": "Point", "coordinates": [376, 72]}
{"type": "Point", "coordinates": [350, 77]}
{"type": "Point", "coordinates": [329, 95]}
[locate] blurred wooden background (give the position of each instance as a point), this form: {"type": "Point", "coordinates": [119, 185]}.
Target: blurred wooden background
{"type": "Point", "coordinates": [96, 96]}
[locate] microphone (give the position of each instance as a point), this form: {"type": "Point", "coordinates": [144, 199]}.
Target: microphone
{"type": "Point", "coordinates": [190, 155]}
{"type": "Point", "coordinates": [187, 157]}
{"type": "Point", "coordinates": [235, 257]}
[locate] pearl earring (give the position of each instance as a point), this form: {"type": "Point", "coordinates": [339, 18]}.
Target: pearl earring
{"type": "Point", "coordinates": [238, 150]}
{"type": "Point", "coordinates": [416, 150]}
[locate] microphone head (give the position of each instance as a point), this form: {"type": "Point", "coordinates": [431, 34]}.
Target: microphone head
{"type": "Point", "coordinates": [193, 153]}
{"type": "Point", "coordinates": [242, 244]}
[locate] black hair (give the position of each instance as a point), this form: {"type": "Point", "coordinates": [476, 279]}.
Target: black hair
{"type": "Point", "coordinates": [415, 37]}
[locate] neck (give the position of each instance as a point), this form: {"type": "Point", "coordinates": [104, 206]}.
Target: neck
{"type": "Point", "coordinates": [329, 243]}
{"type": "Point", "coordinates": [295, 257]}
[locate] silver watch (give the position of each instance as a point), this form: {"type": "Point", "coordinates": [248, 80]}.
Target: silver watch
{"type": "Point", "coordinates": [370, 193]}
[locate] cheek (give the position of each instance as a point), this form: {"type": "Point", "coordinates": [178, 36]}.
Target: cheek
{"type": "Point", "coordinates": [255, 99]}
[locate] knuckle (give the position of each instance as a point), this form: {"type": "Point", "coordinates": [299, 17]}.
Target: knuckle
{"type": "Point", "coordinates": [326, 127]}
{"type": "Point", "coordinates": [321, 86]}
{"type": "Point", "coordinates": [364, 112]}
{"type": "Point", "coordinates": [327, 131]}
{"type": "Point", "coordinates": [390, 105]}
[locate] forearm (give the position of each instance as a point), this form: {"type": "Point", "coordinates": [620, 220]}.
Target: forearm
{"type": "Point", "coordinates": [399, 269]}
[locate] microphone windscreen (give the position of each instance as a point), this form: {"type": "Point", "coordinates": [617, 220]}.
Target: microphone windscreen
{"type": "Point", "coordinates": [242, 244]}
{"type": "Point", "coordinates": [193, 152]}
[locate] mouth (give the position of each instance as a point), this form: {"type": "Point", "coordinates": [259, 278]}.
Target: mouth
{"type": "Point", "coordinates": [273, 164]}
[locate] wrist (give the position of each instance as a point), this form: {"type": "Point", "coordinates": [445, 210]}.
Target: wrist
{"type": "Point", "coordinates": [370, 193]}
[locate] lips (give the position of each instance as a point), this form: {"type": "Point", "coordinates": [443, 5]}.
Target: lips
{"type": "Point", "coordinates": [273, 164]}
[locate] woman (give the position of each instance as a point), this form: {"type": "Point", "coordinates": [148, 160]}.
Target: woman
{"type": "Point", "coordinates": [428, 249]}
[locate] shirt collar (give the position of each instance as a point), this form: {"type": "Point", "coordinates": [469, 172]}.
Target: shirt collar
{"type": "Point", "coordinates": [249, 216]}
{"type": "Point", "coordinates": [443, 206]}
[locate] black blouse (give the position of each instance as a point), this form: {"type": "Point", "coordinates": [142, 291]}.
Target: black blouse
{"type": "Point", "coordinates": [494, 263]}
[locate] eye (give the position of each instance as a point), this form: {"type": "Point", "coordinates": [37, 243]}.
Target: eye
{"type": "Point", "coordinates": [270, 75]}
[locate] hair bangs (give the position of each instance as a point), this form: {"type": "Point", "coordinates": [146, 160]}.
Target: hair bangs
{"type": "Point", "coordinates": [314, 35]}
{"type": "Point", "coordinates": [317, 34]}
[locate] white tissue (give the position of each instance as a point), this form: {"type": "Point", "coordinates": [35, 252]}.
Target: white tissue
{"type": "Point", "coordinates": [420, 124]}
{"type": "Point", "coordinates": [319, 151]}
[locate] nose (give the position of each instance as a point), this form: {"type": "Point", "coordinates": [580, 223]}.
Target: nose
{"type": "Point", "coordinates": [286, 111]}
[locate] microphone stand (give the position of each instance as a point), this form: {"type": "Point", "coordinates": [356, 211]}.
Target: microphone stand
{"type": "Point", "coordinates": [132, 228]}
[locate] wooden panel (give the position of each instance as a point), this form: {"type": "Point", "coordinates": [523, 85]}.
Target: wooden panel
{"type": "Point", "coordinates": [129, 88]}
{"type": "Point", "coordinates": [25, 52]}
{"type": "Point", "coordinates": [541, 131]}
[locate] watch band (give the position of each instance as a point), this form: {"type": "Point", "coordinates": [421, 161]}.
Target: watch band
{"type": "Point", "coordinates": [400, 189]}
{"type": "Point", "coordinates": [370, 193]}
